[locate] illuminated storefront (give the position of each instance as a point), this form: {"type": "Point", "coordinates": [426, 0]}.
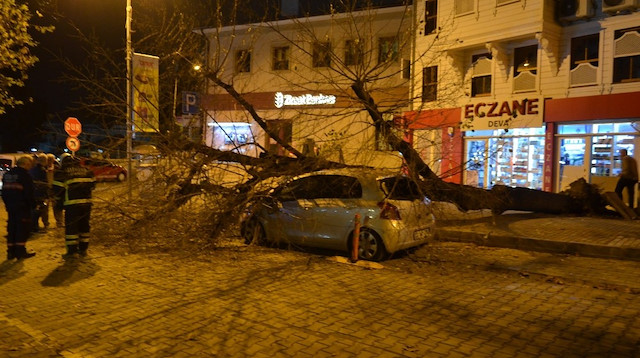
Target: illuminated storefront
{"type": "Point", "coordinates": [504, 142]}
{"type": "Point", "coordinates": [509, 157]}
{"type": "Point", "coordinates": [557, 142]}
{"type": "Point", "coordinates": [592, 151]}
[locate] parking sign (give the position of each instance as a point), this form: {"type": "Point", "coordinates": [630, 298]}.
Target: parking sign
{"type": "Point", "coordinates": [190, 102]}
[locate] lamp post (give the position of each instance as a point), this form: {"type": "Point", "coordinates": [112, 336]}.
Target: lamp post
{"type": "Point", "coordinates": [129, 121]}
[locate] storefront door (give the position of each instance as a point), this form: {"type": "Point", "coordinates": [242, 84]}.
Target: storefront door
{"type": "Point", "coordinates": [475, 169]}
{"type": "Point", "coordinates": [283, 128]}
{"type": "Point", "coordinates": [573, 161]}
{"type": "Point", "coordinates": [592, 151]}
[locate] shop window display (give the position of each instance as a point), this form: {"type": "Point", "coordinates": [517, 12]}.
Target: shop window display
{"type": "Point", "coordinates": [512, 158]}
{"type": "Point", "coordinates": [592, 152]}
{"type": "Point", "coordinates": [236, 137]}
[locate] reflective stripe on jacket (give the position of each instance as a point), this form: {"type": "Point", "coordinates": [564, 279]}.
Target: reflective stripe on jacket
{"type": "Point", "coordinates": [74, 184]}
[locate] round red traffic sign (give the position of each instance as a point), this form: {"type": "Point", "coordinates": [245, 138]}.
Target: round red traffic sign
{"type": "Point", "coordinates": [73, 144]}
{"type": "Point", "coordinates": [72, 126]}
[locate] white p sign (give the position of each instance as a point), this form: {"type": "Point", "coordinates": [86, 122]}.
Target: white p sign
{"type": "Point", "coordinates": [190, 102]}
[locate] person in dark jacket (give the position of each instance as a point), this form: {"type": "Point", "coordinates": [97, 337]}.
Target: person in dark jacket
{"type": "Point", "coordinates": [74, 185]}
{"type": "Point", "coordinates": [19, 200]}
{"type": "Point", "coordinates": [56, 205]}
{"type": "Point", "coordinates": [41, 191]}
{"type": "Point", "coordinates": [628, 177]}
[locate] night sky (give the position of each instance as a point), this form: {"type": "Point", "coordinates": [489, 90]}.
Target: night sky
{"type": "Point", "coordinates": [21, 128]}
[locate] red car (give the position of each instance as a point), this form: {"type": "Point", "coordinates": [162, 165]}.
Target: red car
{"type": "Point", "coordinates": [104, 170]}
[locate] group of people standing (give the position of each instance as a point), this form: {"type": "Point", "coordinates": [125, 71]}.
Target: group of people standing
{"type": "Point", "coordinates": [34, 184]}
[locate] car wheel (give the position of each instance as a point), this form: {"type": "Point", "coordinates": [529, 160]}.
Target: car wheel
{"type": "Point", "coordinates": [254, 233]}
{"type": "Point", "coordinates": [121, 177]}
{"type": "Point", "coordinates": [370, 246]}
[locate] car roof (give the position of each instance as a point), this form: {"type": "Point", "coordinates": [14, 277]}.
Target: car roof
{"type": "Point", "coordinates": [357, 172]}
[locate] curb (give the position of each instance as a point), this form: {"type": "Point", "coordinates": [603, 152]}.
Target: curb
{"type": "Point", "coordinates": [541, 245]}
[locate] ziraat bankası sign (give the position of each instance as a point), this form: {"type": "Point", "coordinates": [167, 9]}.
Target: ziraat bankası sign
{"type": "Point", "coordinates": [281, 100]}
{"type": "Point", "coordinates": [481, 114]}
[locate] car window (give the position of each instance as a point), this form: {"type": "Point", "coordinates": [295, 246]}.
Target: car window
{"type": "Point", "coordinates": [322, 186]}
{"type": "Point", "coordinates": [400, 188]}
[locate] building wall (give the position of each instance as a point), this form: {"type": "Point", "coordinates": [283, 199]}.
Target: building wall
{"type": "Point", "coordinates": [498, 27]}
{"type": "Point", "coordinates": [343, 126]}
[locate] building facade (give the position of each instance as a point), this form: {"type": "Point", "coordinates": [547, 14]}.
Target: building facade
{"type": "Point", "coordinates": [297, 75]}
{"type": "Point", "coordinates": [527, 93]}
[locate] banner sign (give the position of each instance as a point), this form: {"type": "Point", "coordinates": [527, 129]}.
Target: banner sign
{"type": "Point", "coordinates": [146, 79]}
{"type": "Point", "coordinates": [502, 114]}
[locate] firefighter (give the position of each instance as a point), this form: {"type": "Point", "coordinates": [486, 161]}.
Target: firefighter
{"type": "Point", "coordinates": [19, 200]}
{"type": "Point", "coordinates": [41, 191]}
{"type": "Point", "coordinates": [73, 185]}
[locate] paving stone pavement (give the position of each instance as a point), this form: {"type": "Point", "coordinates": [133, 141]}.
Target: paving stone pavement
{"type": "Point", "coordinates": [257, 302]}
{"type": "Point", "coordinates": [587, 236]}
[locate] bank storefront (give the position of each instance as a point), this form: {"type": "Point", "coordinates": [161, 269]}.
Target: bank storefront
{"type": "Point", "coordinates": [324, 122]}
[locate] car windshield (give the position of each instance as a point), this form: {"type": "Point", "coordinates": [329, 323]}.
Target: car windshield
{"type": "Point", "coordinates": [400, 188]}
{"type": "Point", "coordinates": [321, 187]}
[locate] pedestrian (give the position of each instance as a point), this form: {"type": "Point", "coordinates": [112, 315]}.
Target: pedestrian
{"type": "Point", "coordinates": [74, 185]}
{"type": "Point", "coordinates": [56, 205]}
{"type": "Point", "coordinates": [628, 177]}
{"type": "Point", "coordinates": [19, 201]}
{"type": "Point", "coordinates": [42, 191]}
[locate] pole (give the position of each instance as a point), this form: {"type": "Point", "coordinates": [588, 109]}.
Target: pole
{"type": "Point", "coordinates": [129, 120]}
{"type": "Point", "coordinates": [175, 99]}
{"type": "Point", "coordinates": [356, 239]}
{"type": "Point", "coordinates": [205, 111]}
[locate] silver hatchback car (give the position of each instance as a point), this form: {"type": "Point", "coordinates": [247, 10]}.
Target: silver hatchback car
{"type": "Point", "coordinates": [319, 210]}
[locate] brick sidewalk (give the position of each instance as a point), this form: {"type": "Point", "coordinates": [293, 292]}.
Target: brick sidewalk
{"type": "Point", "coordinates": [587, 236]}
{"type": "Point", "coordinates": [257, 302]}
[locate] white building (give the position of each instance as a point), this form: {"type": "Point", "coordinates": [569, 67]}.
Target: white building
{"type": "Point", "coordinates": [532, 93]}
{"type": "Point", "coordinates": [297, 74]}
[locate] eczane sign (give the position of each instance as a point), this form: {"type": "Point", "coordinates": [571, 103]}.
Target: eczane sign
{"type": "Point", "coordinates": [502, 114]}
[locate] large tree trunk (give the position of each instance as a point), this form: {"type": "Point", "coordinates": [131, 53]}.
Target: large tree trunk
{"type": "Point", "coordinates": [498, 199]}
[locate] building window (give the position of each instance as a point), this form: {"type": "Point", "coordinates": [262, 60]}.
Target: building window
{"type": "Point", "coordinates": [525, 59]}
{"type": "Point", "coordinates": [584, 60]}
{"type": "Point", "coordinates": [429, 83]}
{"type": "Point", "coordinates": [353, 52]}
{"type": "Point", "coordinates": [243, 61]}
{"type": "Point", "coordinates": [481, 75]}
{"type": "Point", "coordinates": [281, 58]}
{"type": "Point", "coordinates": [626, 61]}
{"type": "Point", "coordinates": [430, 16]}
{"type": "Point", "coordinates": [525, 68]}
{"type": "Point", "coordinates": [388, 49]}
{"type": "Point", "coordinates": [585, 50]}
{"type": "Point", "coordinates": [464, 6]}
{"type": "Point", "coordinates": [406, 69]}
{"type": "Point", "coordinates": [322, 54]}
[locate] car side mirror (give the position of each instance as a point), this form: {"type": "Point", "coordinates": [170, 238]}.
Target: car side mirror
{"type": "Point", "coordinates": [285, 197]}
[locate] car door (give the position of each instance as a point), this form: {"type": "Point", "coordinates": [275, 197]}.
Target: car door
{"type": "Point", "coordinates": [331, 212]}
{"type": "Point", "coordinates": [292, 220]}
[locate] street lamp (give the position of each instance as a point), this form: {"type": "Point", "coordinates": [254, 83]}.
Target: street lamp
{"type": "Point", "coordinates": [129, 121]}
